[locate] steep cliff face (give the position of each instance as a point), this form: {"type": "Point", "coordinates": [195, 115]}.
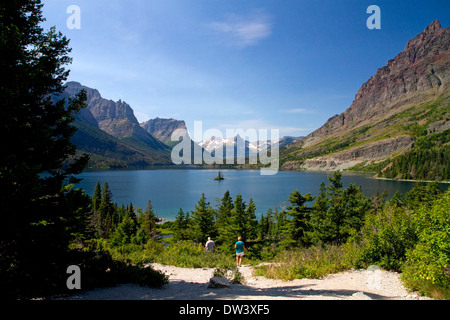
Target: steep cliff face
{"type": "Point", "coordinates": [413, 76]}
{"type": "Point", "coordinates": [111, 134]}
{"type": "Point", "coordinates": [115, 117]}
{"type": "Point", "coordinates": [412, 89]}
{"type": "Point", "coordinates": [375, 151]}
{"type": "Point", "coordinates": [162, 129]}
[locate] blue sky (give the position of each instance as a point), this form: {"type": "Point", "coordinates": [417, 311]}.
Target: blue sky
{"type": "Point", "coordinates": [232, 64]}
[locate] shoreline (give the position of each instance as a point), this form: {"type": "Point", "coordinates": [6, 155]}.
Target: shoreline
{"type": "Point", "coordinates": [409, 180]}
{"type": "Point", "coordinates": [190, 167]}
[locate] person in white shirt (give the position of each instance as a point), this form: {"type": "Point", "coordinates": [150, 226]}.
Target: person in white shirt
{"type": "Point", "coordinates": [210, 245]}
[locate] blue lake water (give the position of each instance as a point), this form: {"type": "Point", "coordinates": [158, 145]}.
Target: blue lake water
{"type": "Point", "coordinates": [172, 189]}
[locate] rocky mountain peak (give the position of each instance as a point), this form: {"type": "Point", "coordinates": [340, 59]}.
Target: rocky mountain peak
{"type": "Point", "coordinates": [114, 117]}
{"type": "Point", "coordinates": [415, 73]}
{"type": "Point", "coordinates": [435, 25]}
{"type": "Point", "coordinates": [162, 129]}
{"type": "Point", "coordinates": [433, 38]}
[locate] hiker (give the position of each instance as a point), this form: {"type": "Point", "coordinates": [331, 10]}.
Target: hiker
{"type": "Point", "coordinates": [210, 245]}
{"type": "Point", "coordinates": [240, 249]}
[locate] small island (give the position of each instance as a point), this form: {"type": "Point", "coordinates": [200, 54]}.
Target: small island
{"type": "Point", "coordinates": [219, 177]}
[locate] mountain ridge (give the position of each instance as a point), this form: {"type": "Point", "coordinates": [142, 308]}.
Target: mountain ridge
{"type": "Point", "coordinates": [405, 98]}
{"type": "Point", "coordinates": [115, 118]}
{"type": "Point", "coordinates": [162, 129]}
{"type": "Point", "coordinates": [109, 132]}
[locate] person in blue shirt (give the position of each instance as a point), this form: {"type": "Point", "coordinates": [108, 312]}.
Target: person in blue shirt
{"type": "Point", "coordinates": [240, 250]}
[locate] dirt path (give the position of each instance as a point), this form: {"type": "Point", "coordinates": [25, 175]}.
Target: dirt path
{"type": "Point", "coordinates": [192, 284]}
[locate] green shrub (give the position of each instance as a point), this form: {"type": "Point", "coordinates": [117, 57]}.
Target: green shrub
{"type": "Point", "coordinates": [312, 262]}
{"type": "Point", "coordinates": [429, 261]}
{"type": "Point", "coordinates": [386, 236]}
{"type": "Point", "coordinates": [190, 255]}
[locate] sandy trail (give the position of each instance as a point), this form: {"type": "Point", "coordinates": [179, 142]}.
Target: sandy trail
{"type": "Point", "coordinates": [192, 284]}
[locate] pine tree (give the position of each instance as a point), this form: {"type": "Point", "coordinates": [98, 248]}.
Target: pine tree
{"type": "Point", "coordinates": [148, 221]}
{"type": "Point", "coordinates": [252, 222]}
{"type": "Point", "coordinates": [224, 219]}
{"type": "Point", "coordinates": [335, 213]}
{"type": "Point", "coordinates": [180, 221]}
{"type": "Point", "coordinates": [300, 224]}
{"type": "Point", "coordinates": [239, 219]}
{"type": "Point", "coordinates": [279, 228]}
{"type": "Point", "coordinates": [356, 207]}
{"type": "Point", "coordinates": [38, 160]}
{"type": "Point", "coordinates": [263, 226]}
{"type": "Point", "coordinates": [125, 232]}
{"type": "Point", "coordinates": [224, 210]}
{"type": "Point", "coordinates": [203, 221]}
{"type": "Point", "coordinates": [95, 205]}
{"type": "Point", "coordinates": [131, 213]}
{"type": "Point", "coordinates": [181, 225]}
{"type": "Point", "coordinates": [320, 222]}
{"type": "Point", "coordinates": [97, 197]}
{"type": "Point", "coordinates": [106, 212]}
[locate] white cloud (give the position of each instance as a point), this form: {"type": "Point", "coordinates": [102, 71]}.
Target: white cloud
{"type": "Point", "coordinates": [299, 111]}
{"type": "Point", "coordinates": [243, 31]}
{"type": "Point", "coordinates": [262, 124]}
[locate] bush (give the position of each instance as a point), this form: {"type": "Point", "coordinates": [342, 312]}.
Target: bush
{"type": "Point", "coordinates": [428, 263]}
{"type": "Point", "coordinates": [190, 255]}
{"type": "Point", "coordinates": [234, 275]}
{"type": "Point", "coordinates": [99, 269]}
{"type": "Point", "coordinates": [137, 254]}
{"type": "Point", "coordinates": [386, 236]}
{"type": "Point", "coordinates": [312, 262]}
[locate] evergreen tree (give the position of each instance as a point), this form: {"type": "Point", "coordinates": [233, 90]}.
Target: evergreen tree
{"type": "Point", "coordinates": [148, 221]}
{"type": "Point", "coordinates": [299, 226]}
{"type": "Point", "coordinates": [320, 222]}
{"type": "Point", "coordinates": [378, 201]}
{"type": "Point", "coordinates": [239, 218]}
{"type": "Point", "coordinates": [224, 210]}
{"type": "Point", "coordinates": [335, 212]}
{"type": "Point", "coordinates": [38, 159]}
{"type": "Point", "coordinates": [422, 194]}
{"type": "Point", "coordinates": [224, 224]}
{"type": "Point", "coordinates": [181, 225]}
{"type": "Point", "coordinates": [356, 207]}
{"type": "Point", "coordinates": [121, 213]}
{"type": "Point", "coordinates": [203, 221]}
{"type": "Point", "coordinates": [180, 221]}
{"type": "Point", "coordinates": [97, 197]}
{"type": "Point", "coordinates": [125, 232]}
{"type": "Point", "coordinates": [131, 213]}
{"type": "Point", "coordinates": [106, 212]}
{"type": "Point", "coordinates": [252, 222]}
{"type": "Point", "coordinates": [263, 226]}
{"type": "Point", "coordinates": [280, 226]}
{"type": "Point", "coordinates": [95, 205]}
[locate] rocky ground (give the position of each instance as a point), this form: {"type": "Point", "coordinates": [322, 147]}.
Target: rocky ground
{"type": "Point", "coordinates": [193, 284]}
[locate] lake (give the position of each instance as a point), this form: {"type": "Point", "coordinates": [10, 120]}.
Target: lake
{"type": "Point", "coordinates": [172, 189]}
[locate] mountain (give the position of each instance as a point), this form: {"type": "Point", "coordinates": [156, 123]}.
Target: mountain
{"type": "Point", "coordinates": [239, 143]}
{"type": "Point", "coordinates": [162, 129]}
{"type": "Point", "coordinates": [111, 134]}
{"type": "Point", "coordinates": [402, 103]}
{"type": "Point", "coordinates": [116, 118]}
